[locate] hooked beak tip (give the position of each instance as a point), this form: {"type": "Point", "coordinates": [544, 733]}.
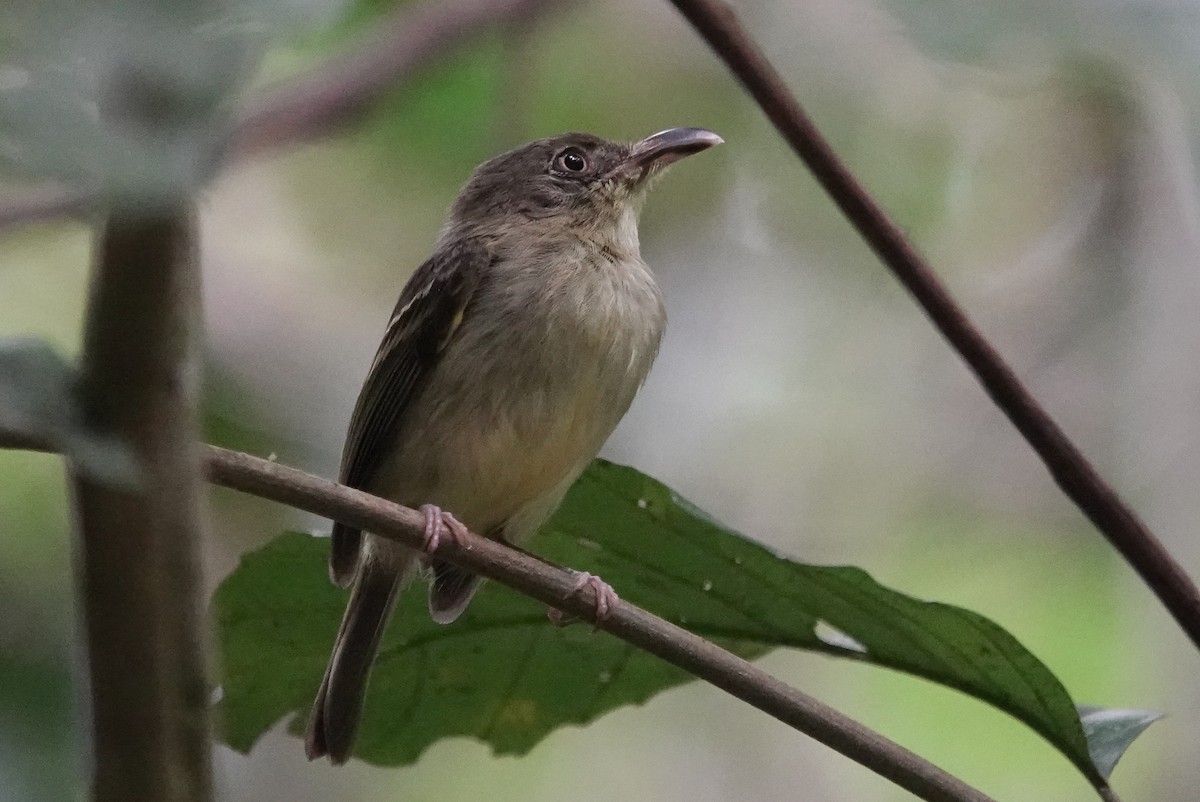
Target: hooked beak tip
{"type": "Point", "coordinates": [665, 147]}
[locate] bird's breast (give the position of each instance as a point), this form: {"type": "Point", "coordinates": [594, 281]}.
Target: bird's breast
{"type": "Point", "coordinates": [544, 365]}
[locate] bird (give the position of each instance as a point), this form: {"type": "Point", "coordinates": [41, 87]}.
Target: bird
{"type": "Point", "coordinates": [513, 352]}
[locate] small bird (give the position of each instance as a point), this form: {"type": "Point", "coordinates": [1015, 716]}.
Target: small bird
{"type": "Point", "coordinates": [512, 353]}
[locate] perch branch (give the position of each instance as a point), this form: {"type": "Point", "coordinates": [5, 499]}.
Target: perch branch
{"type": "Point", "coordinates": [716, 22]}
{"type": "Point", "coordinates": [553, 587]}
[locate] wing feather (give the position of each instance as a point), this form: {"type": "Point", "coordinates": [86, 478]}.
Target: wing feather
{"type": "Point", "coordinates": [431, 308]}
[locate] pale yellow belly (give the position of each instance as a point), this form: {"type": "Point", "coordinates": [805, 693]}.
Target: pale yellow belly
{"type": "Point", "coordinates": [507, 466]}
{"type": "Point", "coordinates": [525, 394]}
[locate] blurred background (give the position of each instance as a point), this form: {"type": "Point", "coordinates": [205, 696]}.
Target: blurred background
{"type": "Point", "coordinates": [1039, 152]}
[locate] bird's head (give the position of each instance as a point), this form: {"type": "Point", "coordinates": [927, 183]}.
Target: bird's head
{"type": "Point", "coordinates": [571, 182]}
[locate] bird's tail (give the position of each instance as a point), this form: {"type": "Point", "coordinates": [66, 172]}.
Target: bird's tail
{"type": "Point", "coordinates": [450, 591]}
{"type": "Point", "coordinates": [333, 722]}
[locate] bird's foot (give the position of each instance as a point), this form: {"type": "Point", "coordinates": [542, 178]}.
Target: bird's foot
{"type": "Point", "coordinates": [439, 523]}
{"type": "Point", "coordinates": [606, 599]}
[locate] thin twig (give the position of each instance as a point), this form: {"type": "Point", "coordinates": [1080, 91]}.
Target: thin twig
{"type": "Point", "coordinates": [138, 565]}
{"type": "Point", "coordinates": [320, 102]}
{"type": "Point", "coordinates": [718, 25]}
{"type": "Point", "coordinates": [553, 586]}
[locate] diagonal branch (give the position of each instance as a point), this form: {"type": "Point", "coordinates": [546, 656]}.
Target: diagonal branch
{"type": "Point", "coordinates": [718, 25]}
{"type": "Point", "coordinates": [327, 98]}
{"type": "Point", "coordinates": [554, 586]}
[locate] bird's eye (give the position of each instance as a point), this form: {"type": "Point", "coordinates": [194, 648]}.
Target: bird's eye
{"type": "Point", "coordinates": [572, 161]}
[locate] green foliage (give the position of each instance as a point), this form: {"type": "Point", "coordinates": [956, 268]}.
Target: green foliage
{"type": "Point", "coordinates": [503, 675]}
{"type": "Point", "coordinates": [359, 14]}
{"type": "Point", "coordinates": [36, 707]}
{"type": "Point", "coordinates": [444, 115]}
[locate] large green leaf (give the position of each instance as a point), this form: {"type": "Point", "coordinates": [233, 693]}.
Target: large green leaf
{"type": "Point", "coordinates": [504, 675]}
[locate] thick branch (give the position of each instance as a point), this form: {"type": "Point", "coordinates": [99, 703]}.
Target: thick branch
{"type": "Point", "coordinates": [719, 26]}
{"type": "Point", "coordinates": [138, 566]}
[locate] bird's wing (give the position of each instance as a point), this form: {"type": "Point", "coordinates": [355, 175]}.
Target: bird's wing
{"type": "Point", "coordinates": [429, 312]}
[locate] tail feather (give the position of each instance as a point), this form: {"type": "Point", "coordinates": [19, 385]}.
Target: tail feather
{"type": "Point", "coordinates": [333, 722]}
{"type": "Point", "coordinates": [450, 591]}
{"type": "Point", "coordinates": [344, 550]}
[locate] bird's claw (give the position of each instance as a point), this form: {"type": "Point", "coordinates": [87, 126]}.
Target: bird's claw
{"type": "Point", "coordinates": [438, 522]}
{"type": "Point", "coordinates": [606, 599]}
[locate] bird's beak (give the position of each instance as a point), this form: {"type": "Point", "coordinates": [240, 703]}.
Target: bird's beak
{"type": "Point", "coordinates": [657, 151]}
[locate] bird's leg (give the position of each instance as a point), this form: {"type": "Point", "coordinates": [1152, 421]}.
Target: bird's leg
{"type": "Point", "coordinates": [606, 598]}
{"type": "Point", "coordinates": [438, 521]}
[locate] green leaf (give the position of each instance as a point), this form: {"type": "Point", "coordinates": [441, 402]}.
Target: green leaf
{"type": "Point", "coordinates": [503, 675]}
{"type": "Point", "coordinates": [1110, 732]}
{"type": "Point", "coordinates": [37, 399]}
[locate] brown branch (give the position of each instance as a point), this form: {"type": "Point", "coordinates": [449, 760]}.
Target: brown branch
{"type": "Point", "coordinates": [553, 586]}
{"type": "Point", "coordinates": [138, 564]}
{"type": "Point", "coordinates": [718, 25]}
{"type": "Point", "coordinates": [323, 100]}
